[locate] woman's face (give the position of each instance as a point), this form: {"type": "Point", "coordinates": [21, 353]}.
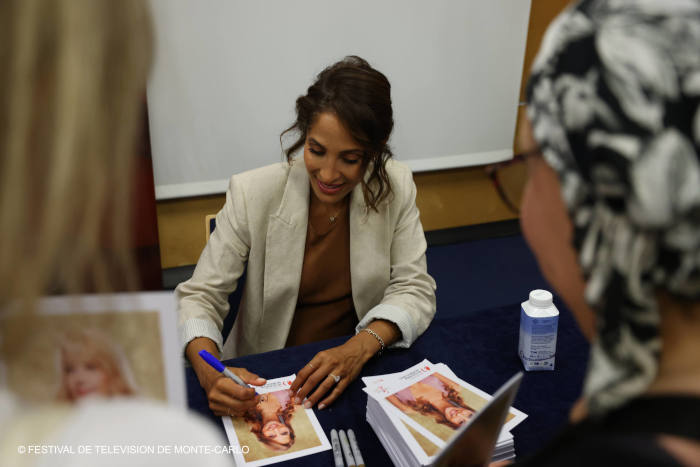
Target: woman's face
{"type": "Point", "coordinates": [83, 378]}
{"type": "Point", "coordinates": [458, 415]}
{"type": "Point", "coordinates": [333, 159]}
{"type": "Point", "coordinates": [277, 432]}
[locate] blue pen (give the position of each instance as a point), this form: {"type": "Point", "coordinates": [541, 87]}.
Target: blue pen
{"type": "Point", "coordinates": [218, 366]}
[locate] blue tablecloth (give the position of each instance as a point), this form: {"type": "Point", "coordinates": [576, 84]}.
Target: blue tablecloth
{"type": "Point", "coordinates": [480, 347]}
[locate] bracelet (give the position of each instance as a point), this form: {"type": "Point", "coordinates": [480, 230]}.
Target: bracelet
{"type": "Point", "coordinates": [376, 336]}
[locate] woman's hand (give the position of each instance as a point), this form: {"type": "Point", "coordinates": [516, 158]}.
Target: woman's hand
{"type": "Point", "coordinates": [344, 362]}
{"type": "Point", "coordinates": [337, 367]}
{"type": "Point", "coordinates": [225, 396]}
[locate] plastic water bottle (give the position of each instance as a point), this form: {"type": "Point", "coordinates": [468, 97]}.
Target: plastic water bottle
{"type": "Point", "coordinates": [539, 319]}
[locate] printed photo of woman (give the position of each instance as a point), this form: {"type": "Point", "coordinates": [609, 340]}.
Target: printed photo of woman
{"type": "Point", "coordinates": [270, 420]}
{"type": "Point", "coordinates": [90, 364]}
{"type": "Point", "coordinates": [275, 429]}
{"type": "Point", "coordinates": [436, 403]}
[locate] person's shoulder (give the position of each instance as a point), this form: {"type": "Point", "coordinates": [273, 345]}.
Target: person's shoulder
{"type": "Point", "coordinates": [264, 177]}
{"type": "Point", "coordinates": [263, 185]}
{"type": "Point", "coordinates": [140, 423]}
{"type": "Point", "coordinates": [401, 180]}
{"type": "Point", "coordinates": [397, 169]}
{"type": "Point", "coordinates": [152, 423]}
{"type": "Point", "coordinates": [149, 417]}
{"type": "Point", "coordinates": [262, 190]}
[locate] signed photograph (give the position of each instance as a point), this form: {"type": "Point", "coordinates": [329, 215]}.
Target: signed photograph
{"type": "Point", "coordinates": [276, 429]}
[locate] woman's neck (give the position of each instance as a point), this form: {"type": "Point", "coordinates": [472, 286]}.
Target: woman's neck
{"type": "Point", "coordinates": [679, 363]}
{"type": "Point", "coordinates": [318, 206]}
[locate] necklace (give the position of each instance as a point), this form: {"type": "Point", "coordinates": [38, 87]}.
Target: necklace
{"type": "Point", "coordinates": [331, 219]}
{"type": "Point", "coordinates": [321, 211]}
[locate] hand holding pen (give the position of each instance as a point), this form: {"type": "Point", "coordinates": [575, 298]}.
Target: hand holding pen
{"type": "Point", "coordinates": [230, 395]}
{"type": "Point", "coordinates": [218, 366]}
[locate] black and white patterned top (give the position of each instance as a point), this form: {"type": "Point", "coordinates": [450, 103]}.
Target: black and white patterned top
{"type": "Point", "coordinates": [614, 100]}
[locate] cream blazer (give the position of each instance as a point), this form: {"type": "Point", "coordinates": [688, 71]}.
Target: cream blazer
{"type": "Point", "coordinates": [262, 229]}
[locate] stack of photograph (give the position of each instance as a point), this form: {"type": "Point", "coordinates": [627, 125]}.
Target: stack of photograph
{"type": "Point", "coordinates": [415, 413]}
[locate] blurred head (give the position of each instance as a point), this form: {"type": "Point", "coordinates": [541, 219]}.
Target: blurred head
{"type": "Point", "coordinates": [72, 87]}
{"type": "Point", "coordinates": [91, 365]}
{"type": "Point", "coordinates": [358, 98]}
{"type": "Point", "coordinates": [614, 197]}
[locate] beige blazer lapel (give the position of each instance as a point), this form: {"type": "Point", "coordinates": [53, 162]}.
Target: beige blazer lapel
{"type": "Point", "coordinates": [284, 257]}
{"type": "Point", "coordinates": [369, 268]}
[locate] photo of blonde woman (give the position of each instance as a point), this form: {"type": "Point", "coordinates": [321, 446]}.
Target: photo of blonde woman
{"type": "Point", "coordinates": [92, 365]}
{"type": "Point", "coordinates": [93, 353]}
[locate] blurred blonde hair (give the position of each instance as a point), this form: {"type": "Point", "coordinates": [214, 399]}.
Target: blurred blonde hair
{"type": "Point", "coordinates": [72, 84]}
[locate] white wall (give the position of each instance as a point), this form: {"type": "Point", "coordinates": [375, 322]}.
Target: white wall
{"type": "Point", "coordinates": [227, 73]}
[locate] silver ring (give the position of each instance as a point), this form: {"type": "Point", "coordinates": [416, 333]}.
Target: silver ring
{"type": "Point", "coordinates": [335, 378]}
{"type": "Point", "coordinates": [310, 365]}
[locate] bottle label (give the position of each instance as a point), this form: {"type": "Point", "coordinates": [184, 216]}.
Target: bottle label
{"type": "Point", "coordinates": [538, 341]}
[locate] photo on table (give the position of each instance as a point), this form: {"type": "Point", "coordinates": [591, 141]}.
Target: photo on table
{"type": "Point", "coordinates": [276, 429]}
{"type": "Point", "coordinates": [439, 403]}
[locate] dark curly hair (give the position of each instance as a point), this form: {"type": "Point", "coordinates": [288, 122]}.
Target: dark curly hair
{"type": "Point", "coordinates": [254, 418]}
{"type": "Point", "coordinates": [360, 97]}
{"type": "Point", "coordinates": [426, 408]}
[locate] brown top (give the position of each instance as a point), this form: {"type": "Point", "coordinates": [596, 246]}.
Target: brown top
{"type": "Point", "coordinates": [324, 305]}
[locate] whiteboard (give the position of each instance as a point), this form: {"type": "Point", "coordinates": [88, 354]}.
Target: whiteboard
{"type": "Point", "coordinates": [227, 73]}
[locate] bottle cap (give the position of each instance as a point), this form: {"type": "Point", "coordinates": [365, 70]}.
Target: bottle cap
{"type": "Point", "coordinates": [540, 298]}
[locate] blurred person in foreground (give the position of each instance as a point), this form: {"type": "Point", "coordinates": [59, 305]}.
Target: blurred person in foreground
{"type": "Point", "coordinates": [612, 212]}
{"type": "Point", "coordinates": [72, 85]}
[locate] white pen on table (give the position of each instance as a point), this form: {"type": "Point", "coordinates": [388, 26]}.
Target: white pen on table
{"type": "Point", "coordinates": [337, 454]}
{"type": "Point", "coordinates": [346, 449]}
{"type": "Point", "coordinates": [355, 449]}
